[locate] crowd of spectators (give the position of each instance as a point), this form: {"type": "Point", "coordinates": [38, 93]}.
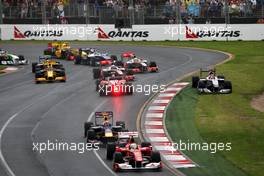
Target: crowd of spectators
{"type": "Point", "coordinates": [187, 9]}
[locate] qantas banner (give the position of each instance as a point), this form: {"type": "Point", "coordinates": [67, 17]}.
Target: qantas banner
{"type": "Point", "coordinates": [221, 32]}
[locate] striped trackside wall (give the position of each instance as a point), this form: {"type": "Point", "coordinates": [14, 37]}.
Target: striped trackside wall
{"type": "Point", "coordinates": [154, 127]}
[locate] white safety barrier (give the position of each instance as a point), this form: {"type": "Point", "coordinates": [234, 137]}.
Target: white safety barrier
{"type": "Point", "coordinates": [204, 32]}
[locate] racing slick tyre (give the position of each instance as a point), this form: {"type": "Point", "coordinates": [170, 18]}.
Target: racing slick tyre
{"type": "Point", "coordinates": [129, 72]}
{"type": "Point", "coordinates": [228, 85]}
{"type": "Point", "coordinates": [195, 80]}
{"type": "Point", "coordinates": [47, 52]}
{"type": "Point", "coordinates": [119, 64]}
{"type": "Point", "coordinates": [145, 144]}
{"type": "Point", "coordinates": [96, 73]}
{"type": "Point", "coordinates": [87, 126]}
{"type": "Point", "coordinates": [113, 57]}
{"type": "Point", "coordinates": [202, 84]}
{"type": "Point", "coordinates": [91, 135]}
{"type": "Point", "coordinates": [97, 83]}
{"type": "Point", "coordinates": [155, 157]}
{"type": "Point", "coordinates": [34, 67]}
{"type": "Point", "coordinates": [117, 129]}
{"type": "Point", "coordinates": [110, 150]}
{"type": "Point", "coordinates": [92, 62]}
{"type": "Point", "coordinates": [121, 123]}
{"type": "Point", "coordinates": [118, 158]}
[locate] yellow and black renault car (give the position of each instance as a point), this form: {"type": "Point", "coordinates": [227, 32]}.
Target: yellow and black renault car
{"type": "Point", "coordinates": [50, 71]}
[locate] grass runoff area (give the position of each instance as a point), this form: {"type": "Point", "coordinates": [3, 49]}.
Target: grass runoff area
{"type": "Point", "coordinates": [224, 118]}
{"type": "Point", "coordinates": [219, 118]}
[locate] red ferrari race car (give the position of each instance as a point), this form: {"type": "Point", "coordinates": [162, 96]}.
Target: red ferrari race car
{"type": "Point", "coordinates": [101, 73]}
{"type": "Point", "coordinates": [127, 154]}
{"type": "Point", "coordinates": [115, 86]}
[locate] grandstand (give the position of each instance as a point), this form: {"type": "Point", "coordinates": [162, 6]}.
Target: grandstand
{"type": "Point", "coordinates": [127, 12]}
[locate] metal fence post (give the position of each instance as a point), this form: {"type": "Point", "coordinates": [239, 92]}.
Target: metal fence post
{"type": "Point", "coordinates": [1, 12]}
{"type": "Point", "coordinates": [43, 12]}
{"type": "Point", "coordinates": [131, 12]}
{"type": "Point", "coordinates": [87, 12]}
{"type": "Point", "coordinates": [178, 12]}
{"type": "Point", "coordinates": [227, 16]}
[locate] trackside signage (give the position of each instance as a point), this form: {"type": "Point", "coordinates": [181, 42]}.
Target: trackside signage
{"type": "Point", "coordinates": [196, 32]}
{"type": "Point", "coordinates": [122, 34]}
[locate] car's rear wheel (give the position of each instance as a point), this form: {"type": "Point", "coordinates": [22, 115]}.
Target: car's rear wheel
{"type": "Point", "coordinates": [145, 144]}
{"type": "Point", "coordinates": [91, 135]}
{"type": "Point", "coordinates": [121, 123]}
{"type": "Point", "coordinates": [87, 126]}
{"type": "Point", "coordinates": [117, 129]}
{"type": "Point", "coordinates": [195, 80]}
{"type": "Point", "coordinates": [118, 158]}
{"type": "Point", "coordinates": [228, 85]}
{"type": "Point", "coordinates": [201, 85]}
{"type": "Point", "coordinates": [110, 150]}
{"type": "Point", "coordinates": [34, 67]}
{"type": "Point", "coordinates": [96, 73]}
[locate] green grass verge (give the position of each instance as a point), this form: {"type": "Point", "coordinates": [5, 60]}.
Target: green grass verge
{"type": "Point", "coordinates": [225, 118]}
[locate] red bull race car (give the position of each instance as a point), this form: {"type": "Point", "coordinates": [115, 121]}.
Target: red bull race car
{"type": "Point", "coordinates": [127, 154]}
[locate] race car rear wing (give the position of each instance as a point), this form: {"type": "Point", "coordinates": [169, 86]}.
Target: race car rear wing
{"type": "Point", "coordinates": [103, 116]}
{"type": "Point", "coordinates": [127, 135]}
{"type": "Point", "coordinates": [206, 70]}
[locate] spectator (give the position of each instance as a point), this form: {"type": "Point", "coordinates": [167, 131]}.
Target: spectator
{"type": "Point", "coordinates": [24, 10]}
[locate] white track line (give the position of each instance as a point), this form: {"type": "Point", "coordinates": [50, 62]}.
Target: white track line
{"type": "Point", "coordinates": [3, 161]}
{"type": "Point", "coordinates": [2, 158]}
{"type": "Point", "coordinates": [95, 152]}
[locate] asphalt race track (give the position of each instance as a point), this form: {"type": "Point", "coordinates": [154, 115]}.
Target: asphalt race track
{"type": "Point", "coordinates": [38, 113]}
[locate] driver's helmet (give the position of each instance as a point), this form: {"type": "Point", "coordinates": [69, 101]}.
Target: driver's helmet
{"type": "Point", "coordinates": [92, 50]}
{"type": "Point", "coordinates": [136, 60]}
{"type": "Point", "coordinates": [211, 72]}
{"type": "Point", "coordinates": [133, 146]}
{"type": "Point", "coordinates": [106, 123]}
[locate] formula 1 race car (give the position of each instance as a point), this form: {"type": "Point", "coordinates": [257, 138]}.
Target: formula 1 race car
{"type": "Point", "coordinates": [103, 130]}
{"type": "Point", "coordinates": [115, 86]}
{"type": "Point", "coordinates": [94, 58]}
{"type": "Point", "coordinates": [211, 83]}
{"type": "Point", "coordinates": [48, 70]}
{"type": "Point", "coordinates": [136, 65]}
{"type": "Point", "coordinates": [61, 50]}
{"type": "Point", "coordinates": [141, 66]}
{"type": "Point", "coordinates": [127, 154]}
{"type": "Point", "coordinates": [44, 61]}
{"type": "Point", "coordinates": [99, 73]}
{"type": "Point", "coordinates": [11, 59]}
